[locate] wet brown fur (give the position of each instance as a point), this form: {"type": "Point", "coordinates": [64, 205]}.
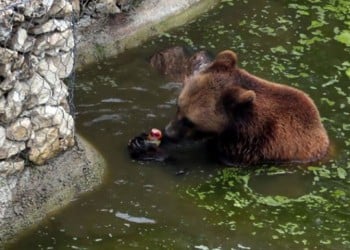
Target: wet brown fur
{"type": "Point", "coordinates": [255, 120]}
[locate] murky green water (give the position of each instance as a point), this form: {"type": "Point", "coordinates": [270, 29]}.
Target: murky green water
{"type": "Point", "coordinates": [148, 206]}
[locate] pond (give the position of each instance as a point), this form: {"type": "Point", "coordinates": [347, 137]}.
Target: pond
{"type": "Point", "coordinates": [305, 44]}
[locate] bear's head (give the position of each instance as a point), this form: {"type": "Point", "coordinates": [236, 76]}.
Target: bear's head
{"type": "Point", "coordinates": [210, 100]}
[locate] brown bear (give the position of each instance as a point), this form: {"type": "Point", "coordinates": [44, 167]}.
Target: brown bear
{"type": "Point", "coordinates": [249, 120]}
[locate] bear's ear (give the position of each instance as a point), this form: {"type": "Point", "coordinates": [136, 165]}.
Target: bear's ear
{"type": "Point", "coordinates": [246, 96]}
{"type": "Point", "coordinates": [236, 97]}
{"type": "Point", "coordinates": [224, 61]}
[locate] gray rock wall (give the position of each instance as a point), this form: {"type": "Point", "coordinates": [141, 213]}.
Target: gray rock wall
{"type": "Point", "coordinates": [36, 54]}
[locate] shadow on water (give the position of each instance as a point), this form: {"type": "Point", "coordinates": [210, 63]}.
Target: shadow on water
{"type": "Point", "coordinates": [149, 206]}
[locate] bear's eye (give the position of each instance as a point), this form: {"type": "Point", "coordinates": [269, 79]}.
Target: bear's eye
{"type": "Point", "coordinates": [187, 122]}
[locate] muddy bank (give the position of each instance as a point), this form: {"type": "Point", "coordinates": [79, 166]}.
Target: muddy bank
{"type": "Point", "coordinates": [114, 34]}
{"type": "Point", "coordinates": [28, 196]}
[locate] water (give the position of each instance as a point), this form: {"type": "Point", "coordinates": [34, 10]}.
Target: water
{"type": "Point", "coordinates": [150, 206]}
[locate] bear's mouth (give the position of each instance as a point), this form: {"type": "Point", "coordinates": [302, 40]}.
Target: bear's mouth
{"type": "Point", "coordinates": [188, 136]}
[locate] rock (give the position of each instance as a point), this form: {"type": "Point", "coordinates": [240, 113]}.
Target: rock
{"type": "Point", "coordinates": [44, 145]}
{"type": "Point", "coordinates": [29, 44]}
{"type": "Point", "coordinates": [20, 130]}
{"type": "Point", "coordinates": [5, 3]}
{"type": "Point", "coordinates": [17, 17]}
{"type": "Point", "coordinates": [48, 70]}
{"type": "Point", "coordinates": [5, 24]}
{"type": "Point", "coordinates": [51, 26]}
{"type": "Point", "coordinates": [11, 167]}
{"type": "Point", "coordinates": [64, 64]}
{"type": "Point", "coordinates": [47, 116]}
{"type": "Point", "coordinates": [19, 39]}
{"type": "Point", "coordinates": [5, 70]}
{"type": "Point", "coordinates": [39, 91]}
{"type": "Point", "coordinates": [66, 131]}
{"type": "Point", "coordinates": [60, 94]}
{"type": "Point", "coordinates": [2, 107]}
{"type": "Point", "coordinates": [51, 116]}
{"type": "Point", "coordinates": [53, 68]}
{"type": "Point", "coordinates": [61, 40]}
{"type": "Point", "coordinates": [11, 148]}
{"type": "Point", "coordinates": [34, 8]}
{"type": "Point", "coordinates": [12, 106]}
{"type": "Point", "coordinates": [8, 83]}
{"type": "Point", "coordinates": [7, 55]}
{"type": "Point", "coordinates": [2, 135]}
{"type": "Point", "coordinates": [62, 8]}
{"type": "Point", "coordinates": [18, 65]}
{"type": "Point", "coordinates": [76, 7]}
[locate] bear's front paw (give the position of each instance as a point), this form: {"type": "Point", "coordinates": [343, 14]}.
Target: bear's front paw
{"type": "Point", "coordinates": [137, 146]}
{"type": "Point", "coordinates": [145, 148]}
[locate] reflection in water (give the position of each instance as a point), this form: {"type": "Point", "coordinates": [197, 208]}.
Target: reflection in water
{"type": "Point", "coordinates": [134, 219]}
{"type": "Point", "coordinates": [210, 206]}
{"type": "Point", "coordinates": [109, 118]}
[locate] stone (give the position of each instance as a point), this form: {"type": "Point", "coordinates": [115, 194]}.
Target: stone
{"type": "Point", "coordinates": [33, 60]}
{"type": "Point", "coordinates": [17, 17]}
{"type": "Point", "coordinates": [51, 26]}
{"type": "Point", "coordinates": [35, 8]}
{"type": "Point", "coordinates": [52, 116]}
{"type": "Point", "coordinates": [61, 8]}
{"type": "Point", "coordinates": [65, 105]}
{"type": "Point", "coordinates": [5, 24]}
{"type": "Point", "coordinates": [2, 135]}
{"type": "Point", "coordinates": [11, 167]}
{"type": "Point", "coordinates": [5, 3]}
{"type": "Point", "coordinates": [56, 67]}
{"type": "Point", "coordinates": [44, 145]}
{"type": "Point", "coordinates": [66, 130]}
{"type": "Point", "coordinates": [19, 39]}
{"type": "Point", "coordinates": [60, 94]}
{"type": "Point", "coordinates": [11, 148]}
{"type": "Point", "coordinates": [29, 44]}
{"type": "Point", "coordinates": [64, 64]}
{"type": "Point", "coordinates": [7, 55]}
{"type": "Point", "coordinates": [48, 70]}
{"type": "Point", "coordinates": [18, 65]}
{"type": "Point", "coordinates": [47, 116]}
{"type": "Point", "coordinates": [12, 106]}
{"type": "Point", "coordinates": [39, 91]}
{"type": "Point", "coordinates": [76, 7]}
{"type": "Point", "coordinates": [22, 42]}
{"type": "Point", "coordinates": [5, 70]}
{"type": "Point", "coordinates": [61, 40]}
{"type": "Point", "coordinates": [8, 83]}
{"type": "Point", "coordinates": [20, 130]}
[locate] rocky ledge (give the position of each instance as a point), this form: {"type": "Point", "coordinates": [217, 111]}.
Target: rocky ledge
{"type": "Point", "coordinates": [28, 195]}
